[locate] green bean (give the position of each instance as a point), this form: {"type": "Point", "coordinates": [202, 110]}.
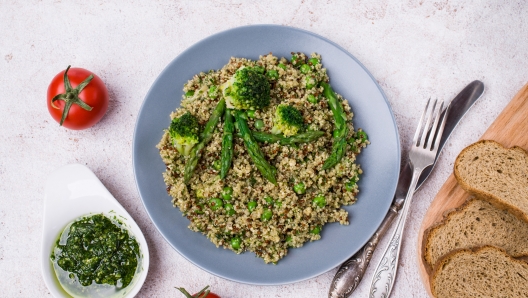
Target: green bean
{"type": "Point", "coordinates": [268, 171]}
{"type": "Point", "coordinates": [266, 137]}
{"type": "Point", "coordinates": [305, 137]}
{"type": "Point", "coordinates": [205, 138]}
{"type": "Point", "coordinates": [340, 130]}
{"type": "Point", "coordinates": [226, 156]}
{"type": "Point", "coordinates": [338, 151]}
{"type": "Point", "coordinates": [301, 138]}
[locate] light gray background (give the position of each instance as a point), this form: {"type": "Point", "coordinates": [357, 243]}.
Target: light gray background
{"type": "Point", "coordinates": [415, 49]}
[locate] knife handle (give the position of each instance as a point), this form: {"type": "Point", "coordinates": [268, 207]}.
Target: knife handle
{"type": "Point", "coordinates": [352, 270]}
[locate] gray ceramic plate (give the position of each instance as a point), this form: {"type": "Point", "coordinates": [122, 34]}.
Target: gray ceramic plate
{"type": "Point", "coordinates": [380, 160]}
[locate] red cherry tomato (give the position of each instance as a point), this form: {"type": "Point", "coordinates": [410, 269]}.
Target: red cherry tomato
{"type": "Point", "coordinates": [210, 295]}
{"type": "Point", "coordinates": [77, 98]}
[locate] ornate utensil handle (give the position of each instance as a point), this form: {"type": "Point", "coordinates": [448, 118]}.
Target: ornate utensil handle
{"type": "Point", "coordinates": [351, 272]}
{"type": "Point", "coordinates": [385, 274]}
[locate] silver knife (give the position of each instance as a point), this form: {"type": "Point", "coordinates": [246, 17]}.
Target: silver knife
{"type": "Point", "coordinates": [352, 270]}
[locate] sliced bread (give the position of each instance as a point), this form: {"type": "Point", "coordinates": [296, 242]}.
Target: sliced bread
{"type": "Point", "coordinates": [485, 272]}
{"type": "Point", "coordinates": [491, 172]}
{"type": "Point", "coordinates": [476, 223]}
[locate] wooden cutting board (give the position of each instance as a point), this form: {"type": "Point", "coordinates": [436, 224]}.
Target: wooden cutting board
{"type": "Point", "coordinates": [510, 129]}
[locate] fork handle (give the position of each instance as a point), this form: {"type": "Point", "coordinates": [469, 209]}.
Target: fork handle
{"type": "Point", "coordinates": [385, 274]}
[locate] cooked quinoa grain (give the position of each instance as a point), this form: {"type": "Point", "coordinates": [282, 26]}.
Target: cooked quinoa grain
{"type": "Point", "coordinates": [257, 215]}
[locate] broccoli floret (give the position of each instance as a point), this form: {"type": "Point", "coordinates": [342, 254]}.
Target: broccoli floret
{"type": "Point", "coordinates": [183, 132]}
{"type": "Point", "coordinates": [288, 120]}
{"type": "Point", "coordinates": [247, 89]}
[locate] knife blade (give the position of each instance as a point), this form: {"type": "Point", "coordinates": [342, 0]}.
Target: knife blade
{"type": "Point", "coordinates": [351, 272]}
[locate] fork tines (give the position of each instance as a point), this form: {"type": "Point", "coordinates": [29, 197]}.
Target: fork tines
{"type": "Point", "coordinates": [428, 132]}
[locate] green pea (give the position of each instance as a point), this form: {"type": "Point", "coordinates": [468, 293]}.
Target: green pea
{"type": "Point", "coordinates": [266, 215]}
{"type": "Point", "coordinates": [311, 98]}
{"type": "Point", "coordinates": [273, 74]}
{"type": "Point", "coordinates": [313, 61]}
{"type": "Point", "coordinates": [235, 243]}
{"type": "Point", "coordinates": [320, 201]}
{"type": "Point", "coordinates": [362, 135]}
{"type": "Point", "coordinates": [189, 93]}
{"type": "Point", "coordinates": [299, 188]}
{"type": "Point", "coordinates": [212, 91]}
{"type": "Point", "coordinates": [349, 186]}
{"type": "Point", "coordinates": [217, 164]}
{"type": "Point", "coordinates": [268, 200]}
{"type": "Point", "coordinates": [251, 205]}
{"type": "Point", "coordinates": [305, 68]}
{"type": "Point", "coordinates": [310, 82]}
{"type": "Point", "coordinates": [282, 66]}
{"type": "Point", "coordinates": [215, 204]}
{"type": "Point", "coordinates": [259, 124]}
{"type": "Point", "coordinates": [227, 193]}
{"type": "Point", "coordinates": [316, 231]}
{"type": "Point", "coordinates": [251, 113]}
{"type": "Point", "coordinates": [296, 60]}
{"type": "Point", "coordinates": [230, 210]}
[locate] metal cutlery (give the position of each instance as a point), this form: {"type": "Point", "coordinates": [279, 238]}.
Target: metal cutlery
{"type": "Point", "coordinates": [422, 154]}
{"type": "Point", "coordinates": [351, 271]}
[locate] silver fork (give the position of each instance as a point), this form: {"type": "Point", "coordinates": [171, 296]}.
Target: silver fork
{"type": "Point", "coordinates": [421, 155]}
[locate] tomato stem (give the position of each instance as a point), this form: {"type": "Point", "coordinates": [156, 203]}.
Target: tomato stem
{"type": "Point", "coordinates": [71, 96]}
{"type": "Point", "coordinates": [203, 293]}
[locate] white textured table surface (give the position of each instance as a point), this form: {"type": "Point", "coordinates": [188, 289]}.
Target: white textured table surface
{"type": "Point", "coordinates": [415, 49]}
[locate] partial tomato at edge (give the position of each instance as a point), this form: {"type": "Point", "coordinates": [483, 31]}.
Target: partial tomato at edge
{"type": "Point", "coordinates": [94, 94]}
{"type": "Point", "coordinates": [210, 295]}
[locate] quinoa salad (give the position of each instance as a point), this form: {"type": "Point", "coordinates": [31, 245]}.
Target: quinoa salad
{"type": "Point", "coordinates": [262, 154]}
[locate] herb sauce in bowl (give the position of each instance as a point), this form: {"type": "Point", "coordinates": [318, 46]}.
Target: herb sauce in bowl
{"type": "Point", "coordinates": [96, 256]}
{"type": "Point", "coordinates": [91, 246]}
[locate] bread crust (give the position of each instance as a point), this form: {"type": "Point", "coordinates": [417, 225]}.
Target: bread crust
{"type": "Point", "coordinates": [490, 234]}
{"type": "Point", "coordinates": [427, 233]}
{"type": "Point", "coordinates": [494, 200]}
{"type": "Point", "coordinates": [474, 250]}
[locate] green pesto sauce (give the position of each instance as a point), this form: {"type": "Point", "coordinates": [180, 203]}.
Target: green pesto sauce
{"type": "Point", "coordinates": [95, 256]}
